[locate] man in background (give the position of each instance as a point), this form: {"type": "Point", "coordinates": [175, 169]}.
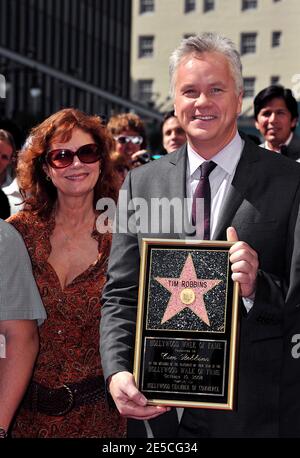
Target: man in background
{"type": "Point", "coordinates": [172, 132]}
{"type": "Point", "coordinates": [276, 117]}
{"type": "Point", "coordinates": [4, 205]}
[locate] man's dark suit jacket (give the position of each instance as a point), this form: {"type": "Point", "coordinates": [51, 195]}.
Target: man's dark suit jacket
{"type": "Point", "coordinates": [262, 205]}
{"type": "Point", "coordinates": [292, 150]}
{"type": "Point", "coordinates": [4, 205]}
{"type": "Point", "coordinates": [290, 393]}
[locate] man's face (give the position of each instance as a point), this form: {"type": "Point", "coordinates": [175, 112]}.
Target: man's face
{"type": "Point", "coordinates": [206, 102]}
{"type": "Point", "coordinates": [6, 153]}
{"type": "Point", "coordinates": [173, 134]}
{"type": "Point", "coordinates": [275, 122]}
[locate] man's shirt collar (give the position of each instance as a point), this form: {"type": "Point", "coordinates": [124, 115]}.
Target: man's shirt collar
{"type": "Point", "coordinates": [286, 143]}
{"type": "Point", "coordinates": [227, 158]}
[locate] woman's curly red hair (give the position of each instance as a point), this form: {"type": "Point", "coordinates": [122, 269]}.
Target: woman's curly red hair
{"type": "Point", "coordinates": [40, 194]}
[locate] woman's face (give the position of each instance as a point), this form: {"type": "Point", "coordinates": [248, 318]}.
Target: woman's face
{"type": "Point", "coordinates": [79, 178]}
{"type": "Point", "coordinates": [128, 147]}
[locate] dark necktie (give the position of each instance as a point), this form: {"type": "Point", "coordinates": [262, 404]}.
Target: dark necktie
{"type": "Point", "coordinates": [203, 192]}
{"type": "Point", "coordinates": [284, 150]}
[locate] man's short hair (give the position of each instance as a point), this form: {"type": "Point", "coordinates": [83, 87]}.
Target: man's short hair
{"type": "Point", "coordinates": [276, 92]}
{"type": "Point", "coordinates": [207, 42]}
{"type": "Point", "coordinates": [167, 115]}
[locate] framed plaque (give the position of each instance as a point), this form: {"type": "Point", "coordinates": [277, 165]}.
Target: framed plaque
{"type": "Point", "coordinates": [187, 324]}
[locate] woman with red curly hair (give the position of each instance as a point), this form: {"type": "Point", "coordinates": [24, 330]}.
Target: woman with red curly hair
{"type": "Point", "coordinates": [63, 170]}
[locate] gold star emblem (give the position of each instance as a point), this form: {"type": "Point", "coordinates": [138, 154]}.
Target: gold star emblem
{"type": "Point", "coordinates": [187, 291]}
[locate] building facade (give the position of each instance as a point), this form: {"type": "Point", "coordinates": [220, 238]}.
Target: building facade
{"type": "Point", "coordinates": [61, 53]}
{"type": "Point", "coordinates": [265, 32]}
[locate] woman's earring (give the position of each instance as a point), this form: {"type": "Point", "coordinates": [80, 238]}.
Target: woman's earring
{"type": "Point", "coordinates": [48, 178]}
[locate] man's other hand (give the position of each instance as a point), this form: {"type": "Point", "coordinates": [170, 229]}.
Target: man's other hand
{"type": "Point", "coordinates": [130, 402]}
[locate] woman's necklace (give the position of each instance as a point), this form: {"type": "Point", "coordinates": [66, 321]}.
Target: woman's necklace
{"type": "Point", "coordinates": [66, 236]}
{"type": "Point", "coordinates": [70, 238]}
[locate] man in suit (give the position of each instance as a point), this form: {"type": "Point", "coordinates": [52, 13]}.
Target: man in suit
{"type": "Point", "coordinates": [248, 204]}
{"type": "Point", "coordinates": [290, 386]}
{"type": "Point", "coordinates": [276, 117]}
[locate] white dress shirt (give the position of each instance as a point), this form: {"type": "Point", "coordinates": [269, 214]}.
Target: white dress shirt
{"type": "Point", "coordinates": [14, 197]}
{"type": "Point", "coordinates": [220, 180]}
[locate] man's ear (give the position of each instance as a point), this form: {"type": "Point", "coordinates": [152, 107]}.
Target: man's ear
{"type": "Point", "coordinates": [240, 103]}
{"type": "Point", "coordinates": [294, 122]}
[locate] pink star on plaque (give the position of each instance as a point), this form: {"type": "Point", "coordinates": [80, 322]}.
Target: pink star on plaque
{"type": "Point", "coordinates": [187, 291]}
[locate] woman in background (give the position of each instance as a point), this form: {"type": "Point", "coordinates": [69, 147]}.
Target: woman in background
{"type": "Point", "coordinates": [129, 136]}
{"type": "Point", "coordinates": [63, 171]}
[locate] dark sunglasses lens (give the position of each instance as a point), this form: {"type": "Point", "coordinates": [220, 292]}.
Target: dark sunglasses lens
{"type": "Point", "coordinates": [122, 140]}
{"type": "Point", "coordinates": [60, 158]}
{"type": "Point", "coordinates": [89, 153]}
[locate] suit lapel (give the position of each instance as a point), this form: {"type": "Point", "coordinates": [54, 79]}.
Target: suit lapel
{"type": "Point", "coordinates": [293, 149]}
{"type": "Point", "coordinates": [178, 189]}
{"type": "Point", "coordinates": [242, 181]}
{"type": "Point", "coordinates": [178, 174]}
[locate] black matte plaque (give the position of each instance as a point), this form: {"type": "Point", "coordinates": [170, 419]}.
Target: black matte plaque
{"type": "Point", "coordinates": [186, 339]}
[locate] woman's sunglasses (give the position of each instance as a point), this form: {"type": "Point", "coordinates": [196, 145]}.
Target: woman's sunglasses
{"type": "Point", "coordinates": [135, 139]}
{"type": "Point", "coordinates": [61, 158]}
